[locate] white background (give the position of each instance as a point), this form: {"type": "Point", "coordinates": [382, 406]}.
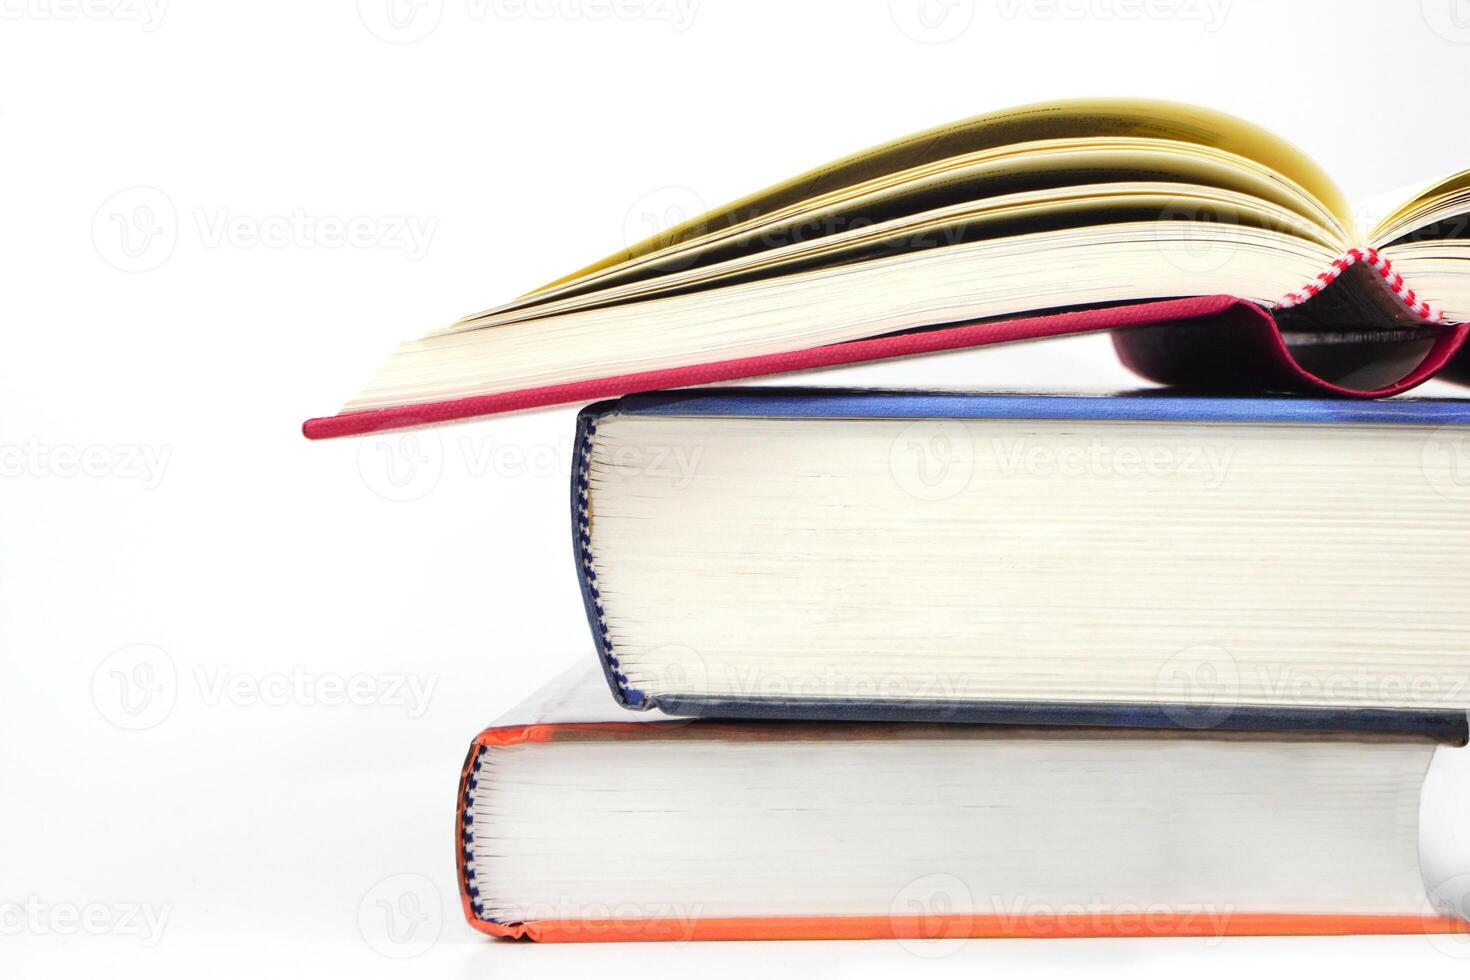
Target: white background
{"type": "Point", "coordinates": [176, 297]}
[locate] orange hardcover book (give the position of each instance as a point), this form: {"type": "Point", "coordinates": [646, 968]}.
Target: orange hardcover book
{"type": "Point", "coordinates": [677, 830]}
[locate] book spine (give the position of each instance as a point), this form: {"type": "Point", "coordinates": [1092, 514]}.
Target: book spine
{"type": "Point", "coordinates": [1371, 258]}
{"type": "Point", "coordinates": [464, 837]}
{"type": "Point", "coordinates": [587, 421]}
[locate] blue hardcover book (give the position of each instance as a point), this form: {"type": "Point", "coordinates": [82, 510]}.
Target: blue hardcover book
{"type": "Point", "coordinates": [1147, 560]}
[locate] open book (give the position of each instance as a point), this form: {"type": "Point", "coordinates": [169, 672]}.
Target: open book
{"type": "Point", "coordinates": [942, 239]}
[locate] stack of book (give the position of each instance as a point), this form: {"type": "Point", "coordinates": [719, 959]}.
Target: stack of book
{"type": "Point", "coordinates": [924, 664]}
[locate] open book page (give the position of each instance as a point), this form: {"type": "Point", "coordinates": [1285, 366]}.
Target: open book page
{"type": "Point", "coordinates": [1393, 214]}
{"type": "Point", "coordinates": [1089, 118]}
{"type": "Point", "coordinates": [1373, 214]}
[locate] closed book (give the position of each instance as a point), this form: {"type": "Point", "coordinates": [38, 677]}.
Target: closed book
{"type": "Point", "coordinates": [593, 830]}
{"type": "Point", "coordinates": [1277, 563]}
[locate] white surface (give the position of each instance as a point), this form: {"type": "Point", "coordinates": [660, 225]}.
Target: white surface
{"type": "Point", "coordinates": [259, 559]}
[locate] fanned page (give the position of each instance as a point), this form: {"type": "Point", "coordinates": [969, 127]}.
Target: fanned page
{"type": "Point", "coordinates": [1097, 205]}
{"type": "Point", "coordinates": [1427, 241]}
